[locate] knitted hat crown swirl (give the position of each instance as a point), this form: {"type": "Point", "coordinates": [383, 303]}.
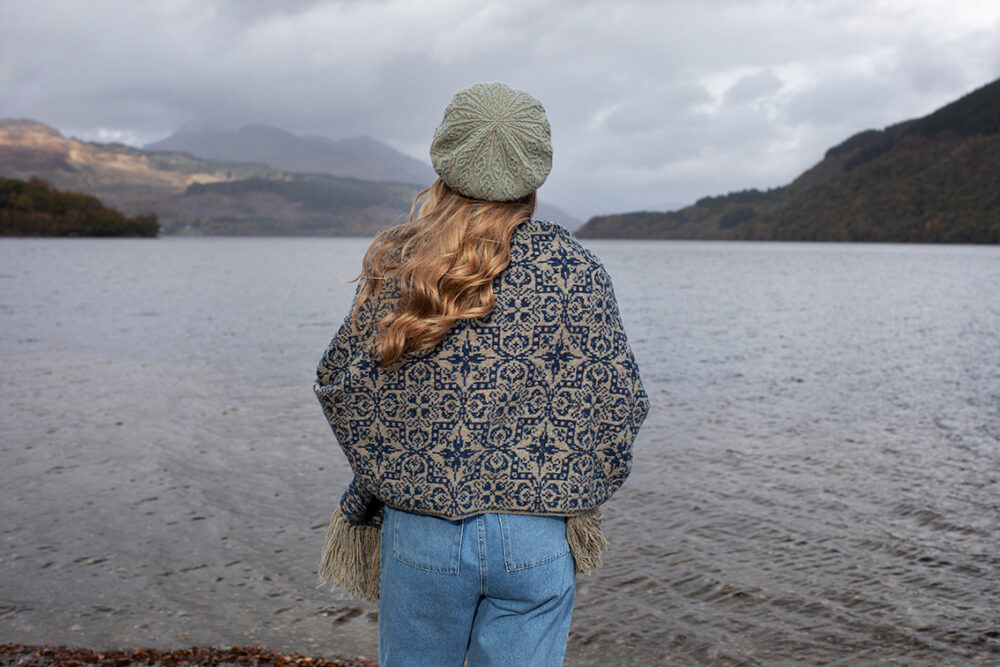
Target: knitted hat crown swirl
{"type": "Point", "coordinates": [494, 143]}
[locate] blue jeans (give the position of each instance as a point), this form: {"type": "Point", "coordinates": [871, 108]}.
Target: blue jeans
{"type": "Point", "coordinates": [499, 587]}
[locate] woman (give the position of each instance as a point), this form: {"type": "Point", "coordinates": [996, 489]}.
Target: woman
{"type": "Point", "coordinates": [486, 397]}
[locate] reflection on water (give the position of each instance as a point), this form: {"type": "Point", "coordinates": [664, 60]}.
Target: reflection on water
{"type": "Point", "coordinates": [818, 481]}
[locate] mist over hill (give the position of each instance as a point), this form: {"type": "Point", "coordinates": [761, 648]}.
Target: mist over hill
{"type": "Point", "coordinates": [930, 179]}
{"type": "Point", "coordinates": [355, 157]}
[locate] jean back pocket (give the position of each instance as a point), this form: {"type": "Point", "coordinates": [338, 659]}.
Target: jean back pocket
{"type": "Point", "coordinates": [532, 540]}
{"type": "Point", "coordinates": [426, 542]}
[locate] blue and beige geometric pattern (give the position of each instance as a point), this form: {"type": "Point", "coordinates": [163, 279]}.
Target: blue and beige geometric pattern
{"type": "Point", "coordinates": [532, 409]}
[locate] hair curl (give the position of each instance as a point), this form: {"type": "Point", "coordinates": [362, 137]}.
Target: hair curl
{"type": "Point", "coordinates": [443, 262]}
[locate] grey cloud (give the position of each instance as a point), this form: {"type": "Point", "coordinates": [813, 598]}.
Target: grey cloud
{"type": "Point", "coordinates": [930, 71]}
{"type": "Point", "coordinates": [648, 109]}
{"type": "Point", "coordinates": [252, 11]}
{"type": "Point", "coordinates": [752, 87]}
{"type": "Point", "coordinates": [840, 100]}
{"type": "Point", "coordinates": [646, 99]}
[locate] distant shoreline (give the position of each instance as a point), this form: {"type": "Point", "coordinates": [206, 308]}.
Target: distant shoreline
{"type": "Point", "coordinates": [630, 239]}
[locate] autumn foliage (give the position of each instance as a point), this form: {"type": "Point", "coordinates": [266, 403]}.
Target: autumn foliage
{"type": "Point", "coordinates": [35, 208]}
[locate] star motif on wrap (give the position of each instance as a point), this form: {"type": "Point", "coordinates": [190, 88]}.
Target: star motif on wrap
{"type": "Point", "coordinates": [465, 358]}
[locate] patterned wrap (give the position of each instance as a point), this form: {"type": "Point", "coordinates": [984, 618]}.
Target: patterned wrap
{"type": "Point", "coordinates": [532, 409]}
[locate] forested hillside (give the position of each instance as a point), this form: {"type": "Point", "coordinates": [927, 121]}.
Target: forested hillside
{"type": "Point", "coordinates": [35, 208]}
{"type": "Point", "coordinates": [934, 179]}
{"type": "Point", "coordinates": [302, 205]}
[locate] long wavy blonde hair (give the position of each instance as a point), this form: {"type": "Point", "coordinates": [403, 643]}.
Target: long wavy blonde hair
{"type": "Point", "coordinates": [443, 262]}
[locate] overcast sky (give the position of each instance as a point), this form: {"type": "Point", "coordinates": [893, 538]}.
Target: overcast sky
{"type": "Point", "coordinates": [652, 104]}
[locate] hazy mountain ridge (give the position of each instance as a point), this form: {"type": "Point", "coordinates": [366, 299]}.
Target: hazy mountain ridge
{"type": "Point", "coordinates": [125, 177]}
{"type": "Point", "coordinates": [258, 199]}
{"type": "Point", "coordinates": [194, 195]}
{"type": "Point", "coordinates": [355, 157]}
{"type": "Point", "coordinates": [931, 179]}
{"type": "Point", "coordinates": [303, 205]}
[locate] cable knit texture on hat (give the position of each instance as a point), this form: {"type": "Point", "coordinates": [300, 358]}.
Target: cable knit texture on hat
{"type": "Point", "coordinates": [494, 143]}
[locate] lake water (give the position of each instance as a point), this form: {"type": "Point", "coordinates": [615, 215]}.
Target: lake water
{"type": "Point", "coordinates": [818, 481]}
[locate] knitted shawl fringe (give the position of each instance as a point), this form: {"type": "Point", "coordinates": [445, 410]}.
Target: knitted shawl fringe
{"type": "Point", "coordinates": [351, 558]}
{"type": "Point", "coordinates": [351, 553]}
{"type": "Point", "coordinates": [586, 541]}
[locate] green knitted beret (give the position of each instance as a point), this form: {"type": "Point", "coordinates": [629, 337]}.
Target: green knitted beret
{"type": "Point", "coordinates": [494, 143]}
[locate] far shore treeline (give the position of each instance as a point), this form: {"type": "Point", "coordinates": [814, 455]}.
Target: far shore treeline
{"type": "Point", "coordinates": [35, 208]}
{"type": "Point", "coordinates": [934, 179]}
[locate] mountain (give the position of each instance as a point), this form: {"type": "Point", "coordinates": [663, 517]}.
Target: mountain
{"type": "Point", "coordinates": [199, 196]}
{"type": "Point", "coordinates": [29, 148]}
{"type": "Point", "coordinates": [299, 205]}
{"type": "Point", "coordinates": [545, 211]}
{"type": "Point", "coordinates": [125, 177]}
{"type": "Point", "coordinates": [930, 179]}
{"type": "Point", "coordinates": [356, 157]}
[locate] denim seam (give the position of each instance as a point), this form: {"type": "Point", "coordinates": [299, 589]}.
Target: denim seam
{"type": "Point", "coordinates": [423, 567]}
{"type": "Point", "coordinates": [481, 530]}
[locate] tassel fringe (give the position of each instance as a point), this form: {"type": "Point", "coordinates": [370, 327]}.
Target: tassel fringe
{"type": "Point", "coordinates": [351, 558]}
{"type": "Point", "coordinates": [586, 542]}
